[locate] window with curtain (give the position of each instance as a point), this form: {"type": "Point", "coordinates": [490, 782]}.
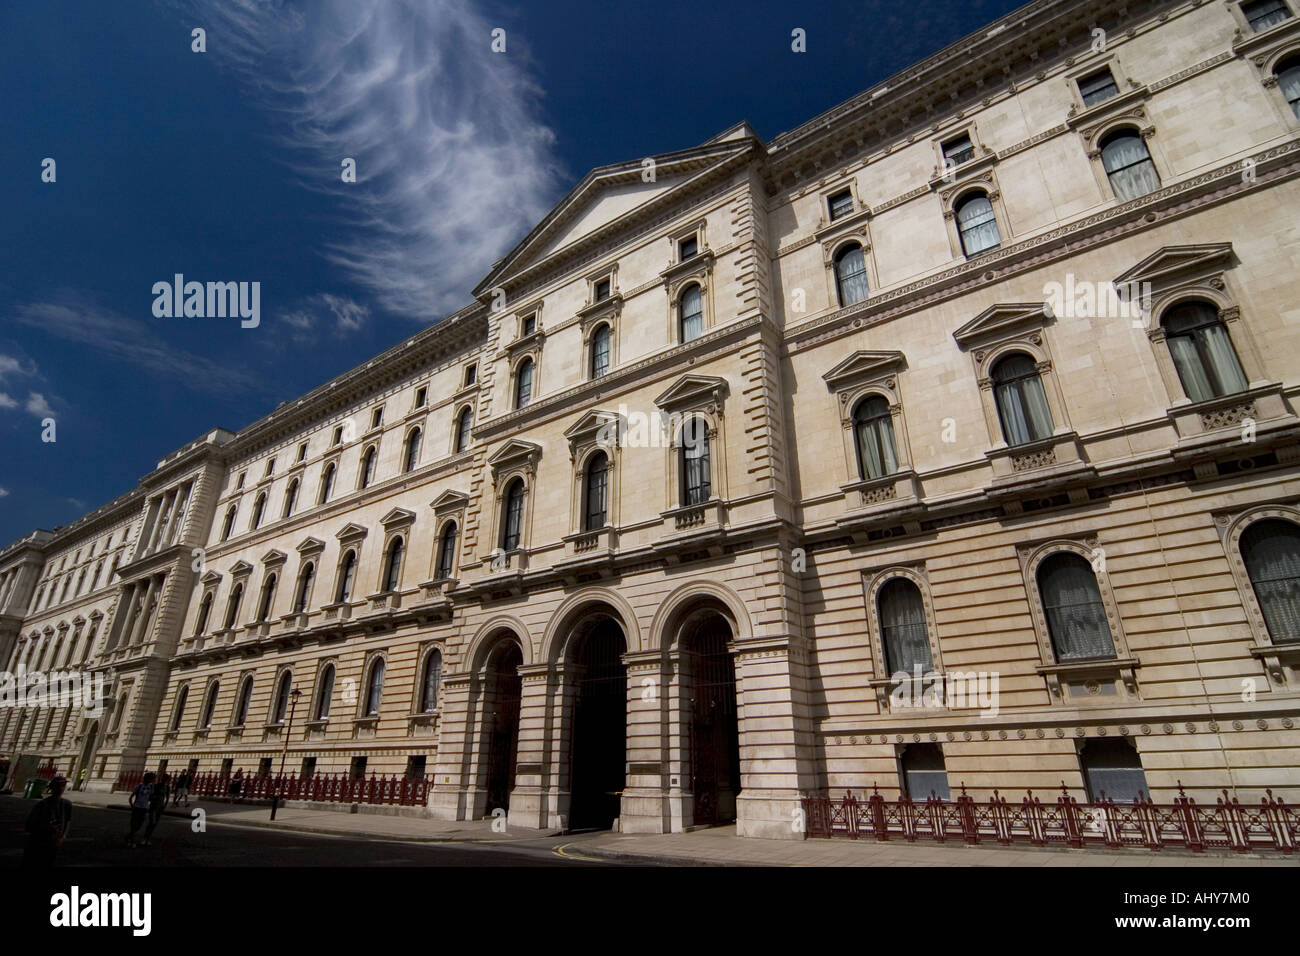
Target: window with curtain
{"type": "Point", "coordinates": [432, 678]}
{"type": "Point", "coordinates": [959, 150]}
{"type": "Point", "coordinates": [690, 313]}
{"type": "Point", "coordinates": [412, 456]}
{"type": "Point", "coordinates": [1202, 352]}
{"type": "Point", "coordinates": [873, 430]}
{"type": "Point", "coordinates": [447, 551]}
{"type": "Point", "coordinates": [290, 498]}
{"type": "Point", "coordinates": [1128, 165]}
{"type": "Point", "coordinates": [268, 596]}
{"type": "Point", "coordinates": [242, 701]}
{"type": "Point", "coordinates": [1112, 767]}
{"type": "Point", "coordinates": [368, 467]}
{"type": "Point", "coordinates": [463, 423]}
{"type": "Point", "coordinates": [977, 225]}
{"type": "Point", "coordinates": [1076, 616]}
{"type": "Point", "coordinates": [696, 480]}
{"type": "Point", "coordinates": [600, 351]}
{"type": "Point", "coordinates": [1262, 14]}
{"type": "Point", "coordinates": [327, 483]}
{"type": "Point", "coordinates": [902, 627]}
{"type": "Point", "coordinates": [1021, 401]}
{"type": "Point", "coordinates": [524, 383]}
{"type": "Point", "coordinates": [596, 486]}
{"type": "Point", "coordinates": [205, 611]}
{"type": "Point", "coordinates": [325, 694]}
{"type": "Point", "coordinates": [304, 587]}
{"type": "Point", "coordinates": [393, 565]}
{"type": "Point", "coordinates": [1097, 87]}
{"type": "Point", "coordinates": [850, 275]}
{"type": "Point", "coordinates": [924, 773]}
{"type": "Point", "coordinates": [259, 506]}
{"type": "Point", "coordinates": [179, 712]}
{"type": "Point", "coordinates": [232, 606]}
{"type": "Point", "coordinates": [375, 688]}
{"type": "Point", "coordinates": [209, 705]}
{"type": "Point", "coordinates": [512, 526]}
{"type": "Point", "coordinates": [840, 204]}
{"type": "Point", "coordinates": [1288, 80]}
{"type": "Point", "coordinates": [347, 571]}
{"type": "Point", "coordinates": [1271, 551]}
{"type": "Point", "coordinates": [281, 707]}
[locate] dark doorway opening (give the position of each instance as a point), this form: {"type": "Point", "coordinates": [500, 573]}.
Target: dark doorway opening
{"type": "Point", "coordinates": [501, 716]}
{"type": "Point", "coordinates": [710, 686]}
{"type": "Point", "coordinates": [598, 754]}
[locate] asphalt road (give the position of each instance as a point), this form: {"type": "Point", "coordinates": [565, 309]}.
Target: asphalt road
{"type": "Point", "coordinates": [97, 839]}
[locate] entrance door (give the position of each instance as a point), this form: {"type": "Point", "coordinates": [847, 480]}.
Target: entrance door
{"type": "Point", "coordinates": [502, 716]}
{"type": "Point", "coordinates": [598, 755]}
{"type": "Point", "coordinates": [87, 753]}
{"type": "Point", "coordinates": [715, 737]}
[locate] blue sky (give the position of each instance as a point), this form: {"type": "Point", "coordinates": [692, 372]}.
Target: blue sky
{"type": "Point", "coordinates": [225, 166]}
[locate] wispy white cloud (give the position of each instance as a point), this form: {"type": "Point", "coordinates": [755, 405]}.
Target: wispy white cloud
{"type": "Point", "coordinates": [341, 315]}
{"type": "Point", "coordinates": [38, 406]}
{"type": "Point", "coordinates": [453, 165]}
{"type": "Point", "coordinates": [8, 401]}
{"type": "Point", "coordinates": [3, 492]}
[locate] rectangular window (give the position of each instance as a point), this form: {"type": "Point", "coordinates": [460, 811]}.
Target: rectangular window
{"type": "Point", "coordinates": [264, 767]}
{"type": "Point", "coordinates": [688, 248]}
{"type": "Point", "coordinates": [377, 417]}
{"type": "Point", "coordinates": [421, 396]}
{"type": "Point", "coordinates": [308, 768]}
{"type": "Point", "coordinates": [240, 482]}
{"type": "Point", "coordinates": [415, 767]}
{"type": "Point", "coordinates": [1097, 87]}
{"type": "Point", "coordinates": [270, 468]}
{"type": "Point", "coordinates": [959, 150]}
{"type": "Point", "coordinates": [358, 768]}
{"type": "Point", "coordinates": [471, 375]}
{"type": "Point", "coordinates": [338, 436]}
{"type": "Point", "coordinates": [302, 452]}
{"type": "Point", "coordinates": [602, 290]}
{"type": "Point", "coordinates": [530, 325]}
{"type": "Point", "coordinates": [841, 204]}
{"type": "Point", "coordinates": [922, 772]}
{"type": "Point", "coordinates": [1262, 14]}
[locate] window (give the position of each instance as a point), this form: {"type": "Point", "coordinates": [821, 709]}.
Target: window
{"type": "Point", "coordinates": [976, 224]}
{"type": "Point", "coordinates": [347, 571]}
{"type": "Point", "coordinates": [421, 396]}
{"type": "Point", "coordinates": [512, 526]}
{"type": "Point", "coordinates": [324, 694]}
{"type": "Point", "coordinates": [1097, 87]}
{"type": "Point", "coordinates": [688, 248]}
{"type": "Point", "coordinates": [1262, 14]}
{"type": "Point", "coordinates": [447, 551]}
{"type": "Point", "coordinates": [1021, 401]}
{"type": "Point", "coordinates": [411, 457]}
{"type": "Point", "coordinates": [281, 705]}
{"type": "Point", "coordinates": [524, 383]}
{"type": "Point", "coordinates": [367, 467]}
{"type": "Point", "coordinates": [690, 313]}
{"type": "Point", "coordinates": [840, 204]}
{"type": "Point", "coordinates": [959, 150]}
{"type": "Point", "coordinates": [178, 712]}
{"type": "Point", "coordinates": [594, 492]}
{"type": "Point", "coordinates": [1128, 165]}
{"type": "Point", "coordinates": [357, 768]}
{"type": "Point", "coordinates": [600, 351]}
{"type": "Point", "coordinates": [305, 577]}
{"type": "Point", "coordinates": [242, 701]}
{"type": "Point", "coordinates": [602, 290]}
{"type": "Point", "coordinates": [270, 468]}
{"type": "Point", "coordinates": [415, 765]}
{"type": "Point", "coordinates": [850, 275]}
{"type": "Point", "coordinates": [229, 524]}
{"type": "Point", "coordinates": [902, 628]}
{"type": "Point", "coordinates": [1202, 352]}
{"type": "Point", "coordinates": [1288, 81]}
{"type": "Point", "coordinates": [463, 422]}
{"type": "Point", "coordinates": [377, 417]}
{"type": "Point", "coordinates": [873, 430]}
{"type": "Point", "coordinates": [232, 605]}
{"type": "Point", "coordinates": [259, 507]}
{"type": "Point", "coordinates": [1076, 616]}
{"type": "Point", "coordinates": [923, 773]}
{"type": "Point", "coordinates": [374, 688]}
{"type": "Point", "coordinates": [268, 597]}
{"type": "Point", "coordinates": [290, 498]}
{"type": "Point", "coordinates": [393, 565]}
{"type": "Point", "coordinates": [205, 611]}
{"type": "Point", "coordinates": [338, 436]}
{"type": "Point", "coordinates": [432, 678]}
{"type": "Point", "coordinates": [240, 482]}
{"type": "Point", "coordinates": [327, 482]}
{"type": "Point", "coordinates": [1271, 552]}
{"type": "Point", "coordinates": [1112, 768]}
{"type": "Point", "coordinates": [209, 705]}
{"type": "Point", "coordinates": [302, 452]}
{"type": "Point", "coordinates": [696, 482]}
{"type": "Point", "coordinates": [471, 374]}
{"type": "Point", "coordinates": [528, 325]}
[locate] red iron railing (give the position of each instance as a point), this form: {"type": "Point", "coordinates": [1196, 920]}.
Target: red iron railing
{"type": "Point", "coordinates": [322, 787]}
{"type": "Point", "coordinates": [45, 771]}
{"type": "Point", "coordinates": [1230, 825]}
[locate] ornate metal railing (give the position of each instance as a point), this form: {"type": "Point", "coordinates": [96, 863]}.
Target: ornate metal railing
{"type": "Point", "coordinates": [321, 788]}
{"type": "Point", "coordinates": [1229, 825]}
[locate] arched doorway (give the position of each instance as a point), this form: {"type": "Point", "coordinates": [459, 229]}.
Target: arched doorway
{"type": "Point", "coordinates": [503, 690]}
{"type": "Point", "coordinates": [708, 688]}
{"type": "Point", "coordinates": [598, 741]}
{"type": "Point", "coordinates": [87, 754]}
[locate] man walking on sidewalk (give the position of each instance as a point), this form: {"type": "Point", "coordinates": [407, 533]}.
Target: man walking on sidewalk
{"type": "Point", "coordinates": [157, 804]}
{"type": "Point", "coordinates": [47, 826]}
{"type": "Point", "coordinates": [139, 806]}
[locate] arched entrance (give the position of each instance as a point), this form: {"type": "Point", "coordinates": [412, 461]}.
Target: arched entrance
{"type": "Point", "coordinates": [709, 717]}
{"type": "Point", "coordinates": [502, 692]}
{"type": "Point", "coordinates": [598, 732]}
{"type": "Point", "coordinates": [87, 754]}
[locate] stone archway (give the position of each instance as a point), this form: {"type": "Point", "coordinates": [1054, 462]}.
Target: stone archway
{"type": "Point", "coordinates": [85, 760]}
{"type": "Point", "coordinates": [709, 717]}
{"type": "Point", "coordinates": [596, 680]}
{"type": "Point", "coordinates": [499, 720]}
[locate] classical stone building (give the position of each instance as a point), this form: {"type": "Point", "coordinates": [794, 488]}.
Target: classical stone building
{"type": "Point", "coordinates": [948, 439]}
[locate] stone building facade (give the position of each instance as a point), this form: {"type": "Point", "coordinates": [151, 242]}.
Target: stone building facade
{"type": "Point", "coordinates": [947, 440]}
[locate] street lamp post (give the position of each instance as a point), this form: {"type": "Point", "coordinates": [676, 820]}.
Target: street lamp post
{"type": "Point", "coordinates": [279, 784]}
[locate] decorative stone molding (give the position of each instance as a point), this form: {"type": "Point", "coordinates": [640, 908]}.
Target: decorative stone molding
{"type": "Point", "coordinates": [1277, 657]}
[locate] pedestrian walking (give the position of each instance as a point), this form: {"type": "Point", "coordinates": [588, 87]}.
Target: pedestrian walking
{"type": "Point", "coordinates": [47, 826]}
{"type": "Point", "coordinates": [237, 783]}
{"type": "Point", "coordinates": [182, 791]}
{"type": "Point", "coordinates": [140, 797]}
{"type": "Point", "coordinates": [157, 804]}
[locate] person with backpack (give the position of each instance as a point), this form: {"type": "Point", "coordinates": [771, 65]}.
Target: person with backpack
{"type": "Point", "coordinates": [157, 804]}
{"type": "Point", "coordinates": [47, 826]}
{"type": "Point", "coordinates": [140, 798]}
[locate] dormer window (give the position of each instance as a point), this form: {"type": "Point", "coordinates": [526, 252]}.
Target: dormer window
{"type": "Point", "coordinates": [602, 290]}
{"type": "Point", "coordinates": [688, 248]}
{"type": "Point", "coordinates": [959, 150]}
{"type": "Point", "coordinates": [1097, 87]}
{"type": "Point", "coordinates": [1262, 14]}
{"type": "Point", "coordinates": [840, 204]}
{"type": "Point", "coordinates": [421, 396]}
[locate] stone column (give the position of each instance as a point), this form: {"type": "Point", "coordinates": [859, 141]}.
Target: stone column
{"type": "Point", "coordinates": [536, 798]}
{"type": "Point", "coordinates": [645, 807]}
{"type": "Point", "coordinates": [454, 794]}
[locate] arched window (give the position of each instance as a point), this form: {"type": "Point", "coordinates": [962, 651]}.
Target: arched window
{"type": "Point", "coordinates": [99, 569]}
{"type": "Point", "coordinates": [374, 688]}
{"type": "Point", "coordinates": [447, 551]}
{"type": "Point", "coordinates": [290, 498]}
{"type": "Point", "coordinates": [690, 313]}
{"type": "Point", "coordinates": [209, 705]}
{"type": "Point", "coordinates": [178, 712]}
{"type": "Point", "coordinates": [1128, 165]}
{"type": "Point", "coordinates": [432, 678]}
{"type": "Point", "coordinates": [367, 467]}
{"type": "Point", "coordinates": [90, 643]}
{"type": "Point", "coordinates": [305, 577]}
{"type": "Point", "coordinates": [1288, 81]}
{"type": "Point", "coordinates": [1022, 403]}
{"type": "Point", "coordinates": [1271, 551]}
{"type": "Point", "coordinates": [259, 508]}
{"type": "Point", "coordinates": [411, 456]}
{"type": "Point", "coordinates": [873, 431]}
{"type": "Point", "coordinates": [242, 701]}
{"type": "Point", "coordinates": [977, 224]}
{"type": "Point", "coordinates": [695, 477]}
{"type": "Point", "coordinates": [1076, 616]}
{"type": "Point", "coordinates": [463, 422]}
{"type": "Point", "coordinates": [850, 275]}
{"type": "Point", "coordinates": [902, 627]}
{"type": "Point", "coordinates": [268, 597]}
{"type": "Point", "coordinates": [232, 605]}
{"type": "Point", "coordinates": [393, 565]}
{"type": "Point", "coordinates": [600, 351]}
{"type": "Point", "coordinates": [281, 704]}
{"type": "Point", "coordinates": [227, 526]}
{"type": "Point", "coordinates": [324, 693]}
{"type": "Point", "coordinates": [1202, 351]}
{"type": "Point", "coordinates": [512, 523]}
{"type": "Point", "coordinates": [327, 482]}
{"type": "Point", "coordinates": [205, 611]}
{"type": "Point", "coordinates": [347, 571]}
{"type": "Point", "coordinates": [524, 383]}
{"type": "Point", "coordinates": [595, 491]}
{"type": "Point", "coordinates": [119, 712]}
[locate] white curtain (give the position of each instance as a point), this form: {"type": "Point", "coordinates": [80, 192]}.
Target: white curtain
{"type": "Point", "coordinates": [902, 626]}
{"type": "Point", "coordinates": [692, 310]}
{"type": "Point", "coordinates": [1076, 617]}
{"type": "Point", "coordinates": [1271, 550]}
{"type": "Point", "coordinates": [1129, 167]}
{"type": "Point", "coordinates": [851, 275]}
{"type": "Point", "coordinates": [978, 225]}
{"type": "Point", "coordinates": [1289, 81]}
{"type": "Point", "coordinates": [875, 433]}
{"type": "Point", "coordinates": [1021, 401]}
{"type": "Point", "coordinates": [1203, 354]}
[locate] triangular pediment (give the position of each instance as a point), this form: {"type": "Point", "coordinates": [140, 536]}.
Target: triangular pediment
{"type": "Point", "coordinates": [514, 450]}
{"type": "Point", "coordinates": [274, 556]}
{"type": "Point", "coordinates": [1001, 320]}
{"type": "Point", "coordinates": [397, 517]}
{"type": "Point", "coordinates": [350, 531]}
{"type": "Point", "coordinates": [240, 567]}
{"type": "Point", "coordinates": [310, 546]}
{"type": "Point", "coordinates": [693, 390]}
{"type": "Point", "coordinates": [592, 423]}
{"type": "Point", "coordinates": [211, 578]}
{"type": "Point", "coordinates": [449, 500]}
{"type": "Point", "coordinates": [863, 366]}
{"type": "Point", "coordinates": [1173, 263]}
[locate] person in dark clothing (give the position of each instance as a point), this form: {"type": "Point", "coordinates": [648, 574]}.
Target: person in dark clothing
{"type": "Point", "coordinates": [237, 783]}
{"type": "Point", "coordinates": [182, 791]}
{"type": "Point", "coordinates": [140, 798]}
{"type": "Point", "coordinates": [47, 826]}
{"type": "Point", "coordinates": [157, 804]}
